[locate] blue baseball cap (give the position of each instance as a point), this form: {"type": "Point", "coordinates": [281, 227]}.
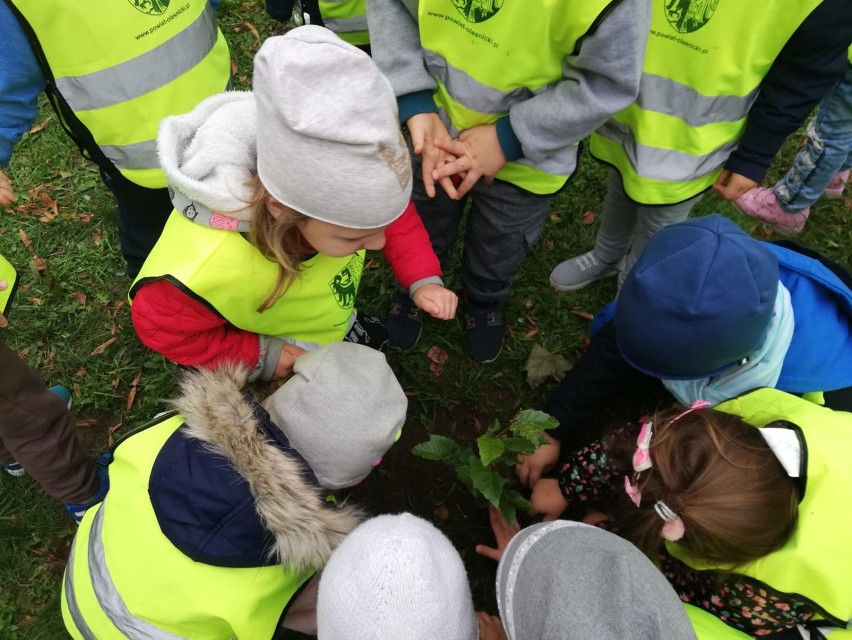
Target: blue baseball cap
{"type": "Point", "coordinates": [698, 301]}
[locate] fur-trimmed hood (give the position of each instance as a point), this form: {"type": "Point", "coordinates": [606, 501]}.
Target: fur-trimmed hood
{"type": "Point", "coordinates": [228, 489]}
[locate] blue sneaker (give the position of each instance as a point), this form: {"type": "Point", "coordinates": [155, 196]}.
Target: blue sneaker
{"type": "Point", "coordinates": [77, 511]}
{"type": "Point", "coordinates": [14, 469]}
{"type": "Point", "coordinates": [63, 394]}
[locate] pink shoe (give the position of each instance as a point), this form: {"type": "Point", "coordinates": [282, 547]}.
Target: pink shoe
{"type": "Point", "coordinates": [761, 203]}
{"type": "Point", "coordinates": [834, 189]}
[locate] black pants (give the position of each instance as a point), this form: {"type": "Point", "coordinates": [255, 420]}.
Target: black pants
{"type": "Point", "coordinates": [142, 214]}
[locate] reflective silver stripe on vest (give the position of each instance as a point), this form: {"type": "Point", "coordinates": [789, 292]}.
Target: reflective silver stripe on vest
{"type": "Point", "coordinates": [141, 155]}
{"type": "Point", "coordinates": [346, 25]}
{"type": "Point", "coordinates": [145, 73]}
{"type": "Point", "coordinates": [106, 594]}
{"type": "Point", "coordinates": [470, 92]}
{"type": "Point", "coordinates": [71, 598]}
{"type": "Point", "coordinates": [663, 95]}
{"type": "Point", "coordinates": [664, 164]}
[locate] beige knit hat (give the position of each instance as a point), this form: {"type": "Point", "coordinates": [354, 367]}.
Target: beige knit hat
{"type": "Point", "coordinates": [329, 143]}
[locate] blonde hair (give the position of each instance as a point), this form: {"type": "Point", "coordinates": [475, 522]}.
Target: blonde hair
{"type": "Point", "coordinates": [276, 237]}
{"type": "Point", "coordinates": [717, 473]}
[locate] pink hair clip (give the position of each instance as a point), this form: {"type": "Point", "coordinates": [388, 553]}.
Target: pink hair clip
{"type": "Point", "coordinates": [673, 528]}
{"type": "Point", "coordinates": [633, 492]}
{"type": "Point", "coordinates": [642, 455]}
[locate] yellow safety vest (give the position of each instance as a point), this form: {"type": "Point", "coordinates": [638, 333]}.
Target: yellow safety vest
{"type": "Point", "coordinates": [115, 69]}
{"type": "Point", "coordinates": [347, 18]}
{"type": "Point", "coordinates": [487, 56]}
{"type": "Point", "coordinates": [228, 274]}
{"type": "Point", "coordinates": [702, 73]}
{"type": "Point", "coordinates": [125, 579]}
{"type": "Point", "coordinates": [815, 565]}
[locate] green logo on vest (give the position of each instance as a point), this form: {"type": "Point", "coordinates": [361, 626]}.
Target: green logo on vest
{"type": "Point", "coordinates": [344, 284]}
{"type": "Point", "coordinates": [477, 10]}
{"type": "Point", "coordinates": [151, 7]}
{"type": "Point", "coordinates": [687, 16]}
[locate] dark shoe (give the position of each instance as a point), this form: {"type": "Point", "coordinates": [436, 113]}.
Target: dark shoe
{"type": "Point", "coordinates": [369, 331]}
{"type": "Point", "coordinates": [483, 331]}
{"type": "Point", "coordinates": [404, 323]}
{"type": "Point", "coordinates": [77, 511]}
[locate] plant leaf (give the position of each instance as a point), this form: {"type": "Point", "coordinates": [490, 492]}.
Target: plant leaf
{"type": "Point", "coordinates": [541, 365]}
{"type": "Point", "coordinates": [487, 482]}
{"type": "Point", "coordinates": [519, 445]}
{"type": "Point", "coordinates": [490, 448]}
{"type": "Point", "coordinates": [438, 448]}
{"type": "Point", "coordinates": [463, 472]}
{"type": "Point", "coordinates": [529, 424]}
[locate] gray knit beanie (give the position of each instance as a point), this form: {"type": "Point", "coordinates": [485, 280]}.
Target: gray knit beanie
{"type": "Point", "coordinates": [565, 580]}
{"type": "Point", "coordinates": [329, 143]}
{"type": "Point", "coordinates": [342, 409]}
{"type": "Point", "coordinates": [395, 578]}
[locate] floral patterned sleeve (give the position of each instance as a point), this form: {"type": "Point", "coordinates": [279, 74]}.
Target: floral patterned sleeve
{"type": "Point", "coordinates": [585, 479]}
{"type": "Point", "coordinates": [749, 607]}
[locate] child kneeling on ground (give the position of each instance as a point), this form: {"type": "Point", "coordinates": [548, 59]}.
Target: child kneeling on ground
{"type": "Point", "coordinates": [216, 519]}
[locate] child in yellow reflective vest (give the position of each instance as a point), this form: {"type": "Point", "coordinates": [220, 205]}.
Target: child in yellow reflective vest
{"type": "Point", "coordinates": [277, 195]}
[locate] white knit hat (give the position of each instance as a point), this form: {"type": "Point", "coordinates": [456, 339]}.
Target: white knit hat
{"type": "Point", "coordinates": [395, 578]}
{"type": "Point", "coordinates": [342, 409]}
{"type": "Point", "coordinates": [329, 143]}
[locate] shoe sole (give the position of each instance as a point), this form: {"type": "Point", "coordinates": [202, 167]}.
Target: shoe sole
{"type": "Point", "coordinates": [582, 285]}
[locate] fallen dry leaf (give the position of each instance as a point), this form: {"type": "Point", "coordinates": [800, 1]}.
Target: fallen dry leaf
{"type": "Point", "coordinates": [372, 263]}
{"type": "Point", "coordinates": [85, 423]}
{"type": "Point", "coordinates": [555, 218]}
{"type": "Point", "coordinates": [542, 365]}
{"type": "Point", "coordinates": [26, 240]}
{"type": "Point", "coordinates": [110, 431]}
{"type": "Point", "coordinates": [437, 355]}
{"type": "Point", "coordinates": [79, 296]}
{"type": "Point", "coordinates": [436, 369]}
{"type": "Point", "coordinates": [583, 314]}
{"type": "Point", "coordinates": [134, 386]}
{"type": "Point", "coordinates": [531, 332]}
{"type": "Point", "coordinates": [253, 30]}
{"type": "Point", "coordinates": [101, 348]}
{"type": "Point", "coordinates": [40, 126]}
{"type": "Point", "coordinates": [588, 217]}
{"type": "Point", "coordinates": [442, 513]}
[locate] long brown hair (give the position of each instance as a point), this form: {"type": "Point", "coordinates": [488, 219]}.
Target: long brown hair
{"type": "Point", "coordinates": [276, 237]}
{"type": "Point", "coordinates": [718, 474]}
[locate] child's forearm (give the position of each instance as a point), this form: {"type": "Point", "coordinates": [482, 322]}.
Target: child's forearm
{"type": "Point", "coordinates": [409, 252]}
{"type": "Point", "coordinates": [186, 332]}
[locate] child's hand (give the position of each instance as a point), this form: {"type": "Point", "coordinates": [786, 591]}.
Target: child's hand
{"type": "Point", "coordinates": [490, 627]}
{"type": "Point", "coordinates": [478, 155]}
{"type": "Point", "coordinates": [7, 193]}
{"type": "Point", "coordinates": [503, 532]}
{"type": "Point", "coordinates": [439, 302]}
{"type": "Point", "coordinates": [730, 185]}
{"type": "Point", "coordinates": [530, 468]}
{"type": "Point", "coordinates": [425, 129]}
{"type": "Point", "coordinates": [547, 499]}
{"type": "Point", "coordinates": [287, 359]}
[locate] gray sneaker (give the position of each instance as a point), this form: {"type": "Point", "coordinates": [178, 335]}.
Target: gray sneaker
{"type": "Point", "coordinates": [576, 273]}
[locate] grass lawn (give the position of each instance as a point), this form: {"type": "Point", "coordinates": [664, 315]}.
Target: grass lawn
{"type": "Point", "coordinates": [70, 322]}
